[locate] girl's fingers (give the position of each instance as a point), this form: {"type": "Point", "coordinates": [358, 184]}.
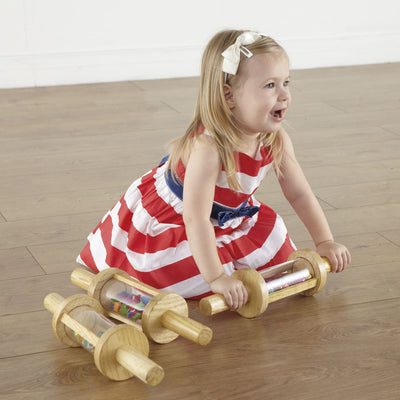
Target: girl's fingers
{"type": "Point", "coordinates": [229, 299]}
{"type": "Point", "coordinates": [235, 294]}
{"type": "Point", "coordinates": [234, 302]}
{"type": "Point", "coordinates": [344, 261]}
{"type": "Point", "coordinates": [348, 257]}
{"type": "Point", "coordinates": [239, 297]}
{"type": "Point", "coordinates": [338, 255]}
{"type": "Point", "coordinates": [245, 296]}
{"type": "Point", "coordinates": [334, 263]}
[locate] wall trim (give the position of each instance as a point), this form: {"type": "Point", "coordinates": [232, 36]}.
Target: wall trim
{"type": "Point", "coordinates": [28, 70]}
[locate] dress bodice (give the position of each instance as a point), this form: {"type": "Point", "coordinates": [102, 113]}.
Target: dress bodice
{"type": "Point", "coordinates": [250, 173]}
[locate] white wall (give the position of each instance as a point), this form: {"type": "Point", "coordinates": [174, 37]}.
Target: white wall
{"type": "Point", "coordinates": [52, 42]}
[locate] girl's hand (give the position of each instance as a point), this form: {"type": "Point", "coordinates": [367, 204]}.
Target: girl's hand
{"type": "Point", "coordinates": [232, 289]}
{"type": "Point", "coordinates": [337, 254]}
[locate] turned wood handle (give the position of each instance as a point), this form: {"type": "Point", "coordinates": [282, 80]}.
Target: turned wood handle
{"type": "Point", "coordinates": [80, 329]}
{"type": "Point", "coordinates": [327, 264]}
{"type": "Point", "coordinates": [53, 301]}
{"type": "Point", "coordinates": [213, 304]}
{"type": "Point", "coordinates": [121, 277]}
{"type": "Point", "coordinates": [82, 278]}
{"type": "Point", "coordinates": [139, 365]}
{"type": "Point", "coordinates": [186, 327]}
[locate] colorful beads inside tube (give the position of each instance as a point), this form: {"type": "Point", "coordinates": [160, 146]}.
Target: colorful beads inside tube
{"type": "Point", "coordinates": [85, 343]}
{"type": "Point", "coordinates": [287, 280]}
{"type": "Point", "coordinates": [129, 305]}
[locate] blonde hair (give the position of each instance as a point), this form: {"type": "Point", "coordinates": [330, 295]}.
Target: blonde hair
{"type": "Point", "coordinates": [213, 113]}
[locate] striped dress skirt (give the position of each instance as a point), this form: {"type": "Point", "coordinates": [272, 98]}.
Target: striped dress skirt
{"type": "Point", "coordinates": [144, 233]}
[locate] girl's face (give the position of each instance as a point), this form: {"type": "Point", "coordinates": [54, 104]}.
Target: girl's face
{"type": "Point", "coordinates": [260, 96]}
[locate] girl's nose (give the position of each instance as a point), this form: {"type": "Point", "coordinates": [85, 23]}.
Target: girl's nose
{"type": "Point", "coordinates": [284, 93]}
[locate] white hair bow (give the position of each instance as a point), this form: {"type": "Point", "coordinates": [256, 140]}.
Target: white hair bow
{"type": "Point", "coordinates": [232, 53]}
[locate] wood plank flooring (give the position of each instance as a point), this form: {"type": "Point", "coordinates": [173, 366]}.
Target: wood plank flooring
{"type": "Point", "coordinates": [68, 153]}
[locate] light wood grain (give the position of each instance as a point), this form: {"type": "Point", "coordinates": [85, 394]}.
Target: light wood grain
{"type": "Point", "coordinates": [66, 153]}
{"type": "Point", "coordinates": [120, 352]}
{"type": "Point", "coordinates": [257, 301]}
{"type": "Point", "coordinates": [164, 318]}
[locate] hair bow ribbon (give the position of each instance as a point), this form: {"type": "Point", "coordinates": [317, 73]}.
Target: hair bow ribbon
{"type": "Point", "coordinates": [232, 53]}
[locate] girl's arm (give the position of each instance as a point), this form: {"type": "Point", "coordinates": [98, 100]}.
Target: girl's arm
{"type": "Point", "coordinates": [202, 170]}
{"type": "Point", "coordinates": [299, 194]}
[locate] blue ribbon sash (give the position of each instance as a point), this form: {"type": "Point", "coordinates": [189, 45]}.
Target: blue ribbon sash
{"type": "Point", "coordinates": [219, 212]}
{"type": "Point", "coordinates": [223, 214]}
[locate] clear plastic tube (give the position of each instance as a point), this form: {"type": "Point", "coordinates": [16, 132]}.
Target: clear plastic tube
{"type": "Point", "coordinates": [93, 321]}
{"type": "Point", "coordinates": [125, 300]}
{"type": "Point", "coordinates": [287, 280]}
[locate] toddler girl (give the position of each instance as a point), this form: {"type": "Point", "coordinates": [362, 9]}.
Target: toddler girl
{"type": "Point", "coordinates": [186, 225]}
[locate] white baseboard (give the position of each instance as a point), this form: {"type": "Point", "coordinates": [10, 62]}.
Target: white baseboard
{"type": "Point", "coordinates": [156, 63]}
{"type": "Point", "coordinates": [98, 66]}
{"type": "Point", "coordinates": [343, 50]}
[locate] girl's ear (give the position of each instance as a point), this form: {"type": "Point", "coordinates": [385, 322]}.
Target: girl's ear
{"type": "Point", "coordinates": [228, 92]}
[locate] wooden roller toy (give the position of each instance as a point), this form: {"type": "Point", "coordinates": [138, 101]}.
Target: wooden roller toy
{"type": "Point", "coordinates": [162, 316]}
{"type": "Point", "coordinates": [305, 272]}
{"type": "Point", "coordinates": [119, 351]}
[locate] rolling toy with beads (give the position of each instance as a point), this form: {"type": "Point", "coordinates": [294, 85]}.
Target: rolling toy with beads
{"type": "Point", "coordinates": [305, 272]}
{"type": "Point", "coordinates": [119, 351]}
{"type": "Point", "coordinates": [162, 316]}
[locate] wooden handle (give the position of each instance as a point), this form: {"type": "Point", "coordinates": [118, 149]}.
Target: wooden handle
{"type": "Point", "coordinates": [136, 284]}
{"type": "Point", "coordinates": [82, 278]}
{"type": "Point", "coordinates": [80, 329]}
{"type": "Point", "coordinates": [187, 327]}
{"type": "Point", "coordinates": [257, 301]}
{"type": "Point", "coordinates": [139, 365]}
{"type": "Point", "coordinates": [327, 264]}
{"type": "Point", "coordinates": [53, 301]}
{"type": "Point", "coordinates": [277, 269]}
{"type": "Point", "coordinates": [213, 304]}
{"type": "Point", "coordinates": [291, 290]}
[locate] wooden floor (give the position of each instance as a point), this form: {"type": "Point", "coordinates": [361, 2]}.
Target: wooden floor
{"type": "Point", "coordinates": [68, 153]}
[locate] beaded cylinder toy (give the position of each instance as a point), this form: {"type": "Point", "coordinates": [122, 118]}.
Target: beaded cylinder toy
{"type": "Point", "coordinates": [305, 272]}
{"type": "Point", "coordinates": [119, 351]}
{"type": "Point", "coordinates": [162, 316]}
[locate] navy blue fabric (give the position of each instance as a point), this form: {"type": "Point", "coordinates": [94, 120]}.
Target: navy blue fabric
{"type": "Point", "coordinates": [219, 212]}
{"type": "Point", "coordinates": [223, 214]}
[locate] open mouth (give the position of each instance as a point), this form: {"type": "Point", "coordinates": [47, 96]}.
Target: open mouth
{"type": "Point", "coordinates": [277, 115]}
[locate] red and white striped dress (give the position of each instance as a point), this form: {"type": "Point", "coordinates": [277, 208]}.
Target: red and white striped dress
{"type": "Point", "coordinates": [144, 233]}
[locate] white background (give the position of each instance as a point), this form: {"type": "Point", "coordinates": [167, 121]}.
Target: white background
{"type": "Point", "coordinates": [53, 42]}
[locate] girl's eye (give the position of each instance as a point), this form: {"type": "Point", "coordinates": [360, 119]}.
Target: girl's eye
{"type": "Point", "coordinates": [286, 83]}
{"type": "Point", "coordinates": [270, 85]}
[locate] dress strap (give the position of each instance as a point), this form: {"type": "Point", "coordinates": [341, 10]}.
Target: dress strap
{"type": "Point", "coordinates": [164, 160]}
{"type": "Point", "coordinates": [219, 212]}
{"type": "Point", "coordinates": [175, 186]}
